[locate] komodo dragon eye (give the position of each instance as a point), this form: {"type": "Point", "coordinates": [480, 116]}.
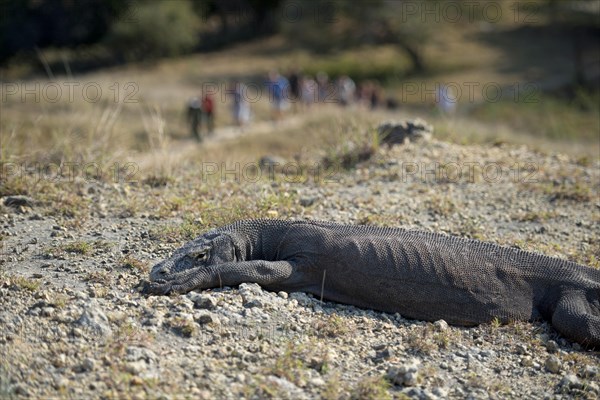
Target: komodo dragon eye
{"type": "Point", "coordinates": [200, 256]}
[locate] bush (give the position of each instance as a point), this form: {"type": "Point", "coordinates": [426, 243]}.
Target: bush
{"type": "Point", "coordinates": [155, 29]}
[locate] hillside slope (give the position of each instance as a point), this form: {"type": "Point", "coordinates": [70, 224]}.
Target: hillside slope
{"type": "Point", "coordinates": [73, 323]}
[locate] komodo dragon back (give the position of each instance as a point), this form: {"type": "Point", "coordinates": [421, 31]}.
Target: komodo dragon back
{"type": "Point", "coordinates": [421, 275]}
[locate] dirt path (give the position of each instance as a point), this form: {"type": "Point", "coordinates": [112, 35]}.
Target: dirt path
{"type": "Point", "coordinates": [173, 150]}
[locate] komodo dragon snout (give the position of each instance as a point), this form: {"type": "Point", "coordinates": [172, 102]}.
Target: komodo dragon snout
{"type": "Point", "coordinates": [212, 248]}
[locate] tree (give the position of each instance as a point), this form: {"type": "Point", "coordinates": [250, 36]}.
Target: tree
{"type": "Point", "coordinates": [325, 26]}
{"type": "Point", "coordinates": [25, 25]}
{"type": "Point", "coordinates": [155, 29]}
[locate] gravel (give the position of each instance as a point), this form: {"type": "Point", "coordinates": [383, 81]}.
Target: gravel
{"type": "Point", "coordinates": [73, 324]}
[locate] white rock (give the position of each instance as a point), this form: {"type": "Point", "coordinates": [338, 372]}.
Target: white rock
{"type": "Point", "coordinates": [94, 321]}
{"type": "Point", "coordinates": [441, 325]}
{"type": "Point", "coordinates": [570, 381]}
{"type": "Point", "coordinates": [552, 364]}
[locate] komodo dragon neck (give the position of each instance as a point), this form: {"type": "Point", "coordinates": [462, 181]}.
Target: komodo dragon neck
{"type": "Point", "coordinates": [257, 239]}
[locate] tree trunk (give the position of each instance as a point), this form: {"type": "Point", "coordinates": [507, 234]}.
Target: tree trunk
{"type": "Point", "coordinates": [415, 56]}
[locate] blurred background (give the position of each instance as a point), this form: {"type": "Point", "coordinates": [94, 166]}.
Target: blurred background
{"type": "Point", "coordinates": [108, 79]}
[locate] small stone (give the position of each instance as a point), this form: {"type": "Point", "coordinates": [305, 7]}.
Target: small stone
{"type": "Point", "coordinates": [301, 298]}
{"type": "Point", "coordinates": [204, 317]}
{"type": "Point", "coordinates": [317, 382]}
{"type": "Point", "coordinates": [440, 325]}
{"type": "Point", "coordinates": [552, 364]}
{"type": "Point", "coordinates": [203, 302]}
{"type": "Point", "coordinates": [384, 354]}
{"type": "Point", "coordinates": [185, 304]}
{"type": "Point", "coordinates": [253, 303]}
{"type": "Point", "coordinates": [77, 332]}
{"type": "Point", "coordinates": [82, 296]}
{"type": "Point", "coordinates": [552, 346]}
{"type": "Point", "coordinates": [407, 374]}
{"type": "Point", "coordinates": [411, 378]}
{"type": "Point", "coordinates": [589, 371]}
{"type": "Point", "coordinates": [88, 364]}
{"type": "Point", "coordinates": [527, 361]}
{"type": "Point", "coordinates": [282, 294]}
{"type": "Point", "coordinates": [441, 392]}
{"type": "Point", "coordinates": [61, 383]}
{"type": "Point", "coordinates": [136, 353]}
{"type": "Point", "coordinates": [472, 362]}
{"type": "Point", "coordinates": [570, 381]}
{"type": "Point", "coordinates": [59, 361]}
{"type": "Point", "coordinates": [47, 311]}
{"type": "Point", "coordinates": [521, 349]}
{"type": "Point", "coordinates": [592, 387]}
{"type": "Point", "coordinates": [135, 367]}
{"type": "Point", "coordinates": [487, 353]}
{"type": "Point", "coordinates": [153, 318]}
{"type": "Point", "coordinates": [413, 393]}
{"type": "Point", "coordinates": [400, 132]}
{"type": "Point", "coordinates": [307, 201]}
{"type": "Point", "coordinates": [284, 385]}
{"type": "Point", "coordinates": [93, 320]}
{"type": "Point", "coordinates": [18, 201]}
{"type": "Point", "coordinates": [21, 390]}
{"type": "Point", "coordinates": [136, 381]}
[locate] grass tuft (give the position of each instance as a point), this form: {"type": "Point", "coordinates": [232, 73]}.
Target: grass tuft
{"type": "Point", "coordinates": [183, 327]}
{"type": "Point", "coordinates": [371, 388]}
{"type": "Point", "coordinates": [133, 263]}
{"type": "Point", "coordinates": [332, 326]}
{"type": "Point", "coordinates": [83, 248]}
{"type": "Point", "coordinates": [290, 365]}
{"type": "Point", "coordinates": [22, 282]}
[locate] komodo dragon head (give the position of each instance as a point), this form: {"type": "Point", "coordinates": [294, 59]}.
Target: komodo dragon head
{"type": "Point", "coordinates": [209, 249]}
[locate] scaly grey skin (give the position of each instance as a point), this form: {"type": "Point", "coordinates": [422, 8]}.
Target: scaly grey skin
{"type": "Point", "coordinates": [420, 275]}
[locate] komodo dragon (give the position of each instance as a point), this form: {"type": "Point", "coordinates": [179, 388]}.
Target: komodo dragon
{"type": "Point", "coordinates": [420, 275]}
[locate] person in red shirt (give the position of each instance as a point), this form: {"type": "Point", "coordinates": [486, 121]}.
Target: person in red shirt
{"type": "Point", "coordinates": [208, 112]}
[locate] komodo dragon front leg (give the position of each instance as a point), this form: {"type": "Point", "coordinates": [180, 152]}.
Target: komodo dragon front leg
{"type": "Point", "coordinates": [264, 273]}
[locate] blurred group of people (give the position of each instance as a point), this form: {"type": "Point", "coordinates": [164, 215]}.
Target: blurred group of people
{"type": "Point", "coordinates": [306, 90]}
{"type": "Point", "coordinates": [295, 91]}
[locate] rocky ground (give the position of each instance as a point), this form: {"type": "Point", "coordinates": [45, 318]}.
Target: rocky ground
{"type": "Point", "coordinates": [73, 324]}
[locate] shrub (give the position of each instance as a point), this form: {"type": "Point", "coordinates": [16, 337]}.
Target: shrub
{"type": "Point", "coordinates": [155, 29]}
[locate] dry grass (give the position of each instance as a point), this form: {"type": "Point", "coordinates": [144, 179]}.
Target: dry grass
{"type": "Point", "coordinates": [22, 282]}
{"type": "Point", "coordinates": [371, 388]}
{"type": "Point", "coordinates": [142, 110]}
{"type": "Point", "coordinates": [135, 264]}
{"type": "Point", "coordinates": [332, 326]}
{"type": "Point", "coordinates": [183, 326]}
{"type": "Point", "coordinates": [144, 145]}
